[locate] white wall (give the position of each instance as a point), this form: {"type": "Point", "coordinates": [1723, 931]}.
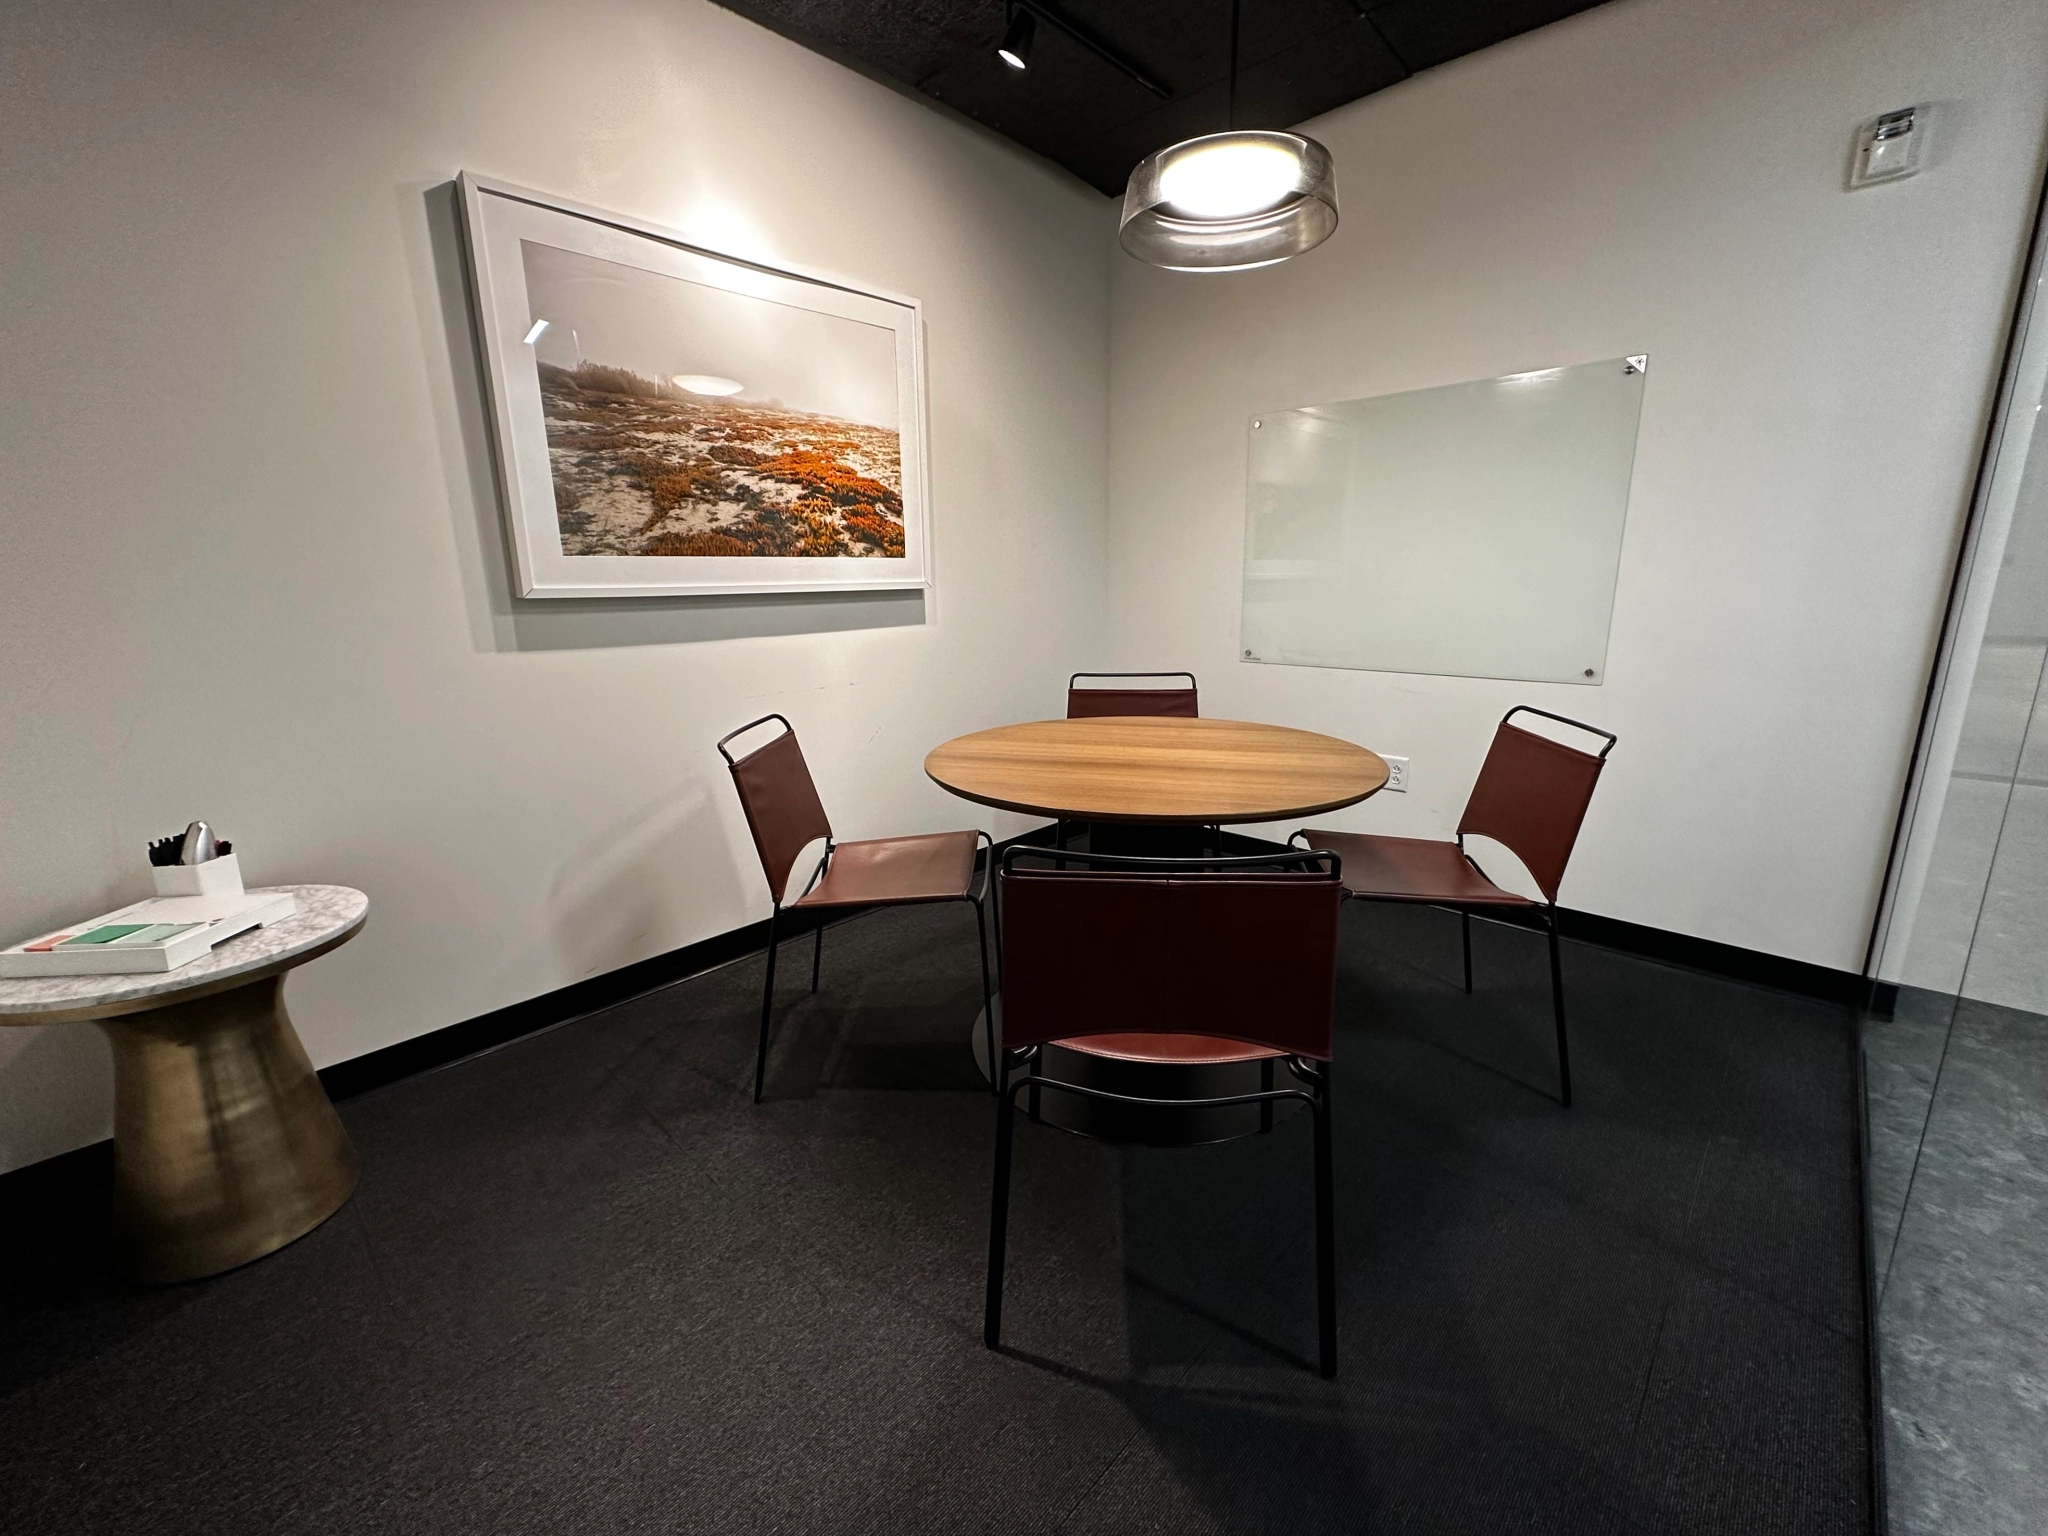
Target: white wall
{"type": "Point", "coordinates": [253, 569]}
{"type": "Point", "coordinates": [1664, 177]}
{"type": "Point", "coordinates": [252, 563]}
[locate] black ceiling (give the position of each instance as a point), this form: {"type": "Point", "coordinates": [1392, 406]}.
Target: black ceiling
{"type": "Point", "coordinates": [1297, 58]}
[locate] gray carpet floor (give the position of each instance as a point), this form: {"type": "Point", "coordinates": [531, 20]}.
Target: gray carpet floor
{"type": "Point", "coordinates": [586, 1286]}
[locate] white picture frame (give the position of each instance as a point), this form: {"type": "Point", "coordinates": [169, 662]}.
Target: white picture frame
{"type": "Point", "coordinates": [775, 478]}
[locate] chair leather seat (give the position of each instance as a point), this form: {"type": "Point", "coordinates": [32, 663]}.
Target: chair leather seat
{"type": "Point", "coordinates": [1411, 869]}
{"type": "Point", "coordinates": [1194, 1050]}
{"type": "Point", "coordinates": [936, 866]}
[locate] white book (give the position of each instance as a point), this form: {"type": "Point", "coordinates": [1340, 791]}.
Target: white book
{"type": "Point", "coordinates": [162, 934]}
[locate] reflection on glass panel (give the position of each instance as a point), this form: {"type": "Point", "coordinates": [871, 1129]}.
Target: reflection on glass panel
{"type": "Point", "coordinates": [1473, 530]}
{"type": "Point", "coordinates": [1978, 924]}
{"type": "Point", "coordinates": [1957, 1085]}
{"type": "Point", "coordinates": [1296, 521]}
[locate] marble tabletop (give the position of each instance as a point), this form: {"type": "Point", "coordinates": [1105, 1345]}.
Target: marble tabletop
{"type": "Point", "coordinates": [327, 915]}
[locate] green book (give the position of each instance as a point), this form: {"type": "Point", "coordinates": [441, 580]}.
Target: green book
{"type": "Point", "coordinates": [105, 935]}
{"type": "Point", "coordinates": [155, 933]}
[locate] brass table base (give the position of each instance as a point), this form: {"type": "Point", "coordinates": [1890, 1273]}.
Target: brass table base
{"type": "Point", "coordinates": [225, 1145]}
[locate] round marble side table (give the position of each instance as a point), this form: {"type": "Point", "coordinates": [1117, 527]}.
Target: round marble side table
{"type": "Point", "coordinates": [225, 1146]}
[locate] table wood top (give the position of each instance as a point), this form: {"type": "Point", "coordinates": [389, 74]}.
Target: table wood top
{"type": "Point", "coordinates": [1155, 769]}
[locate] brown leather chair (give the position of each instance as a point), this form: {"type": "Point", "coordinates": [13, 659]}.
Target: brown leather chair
{"type": "Point", "coordinates": [1531, 795]}
{"type": "Point", "coordinates": [1094, 703]}
{"type": "Point", "coordinates": [786, 816]}
{"type": "Point", "coordinates": [1170, 961]}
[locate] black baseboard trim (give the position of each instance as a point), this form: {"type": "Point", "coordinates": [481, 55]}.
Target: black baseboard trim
{"type": "Point", "coordinates": [565, 1005]}
{"type": "Point", "coordinates": [61, 1175]}
{"type": "Point", "coordinates": [487, 1031]}
{"type": "Point", "coordinates": [551, 1010]}
{"type": "Point", "coordinates": [1710, 955]}
{"type": "Point", "coordinates": [1731, 960]}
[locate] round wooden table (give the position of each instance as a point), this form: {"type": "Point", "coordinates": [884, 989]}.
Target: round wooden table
{"type": "Point", "coordinates": [1154, 770]}
{"type": "Point", "coordinates": [225, 1146]}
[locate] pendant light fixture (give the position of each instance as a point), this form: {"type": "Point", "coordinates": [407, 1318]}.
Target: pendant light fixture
{"type": "Point", "coordinates": [1227, 201]}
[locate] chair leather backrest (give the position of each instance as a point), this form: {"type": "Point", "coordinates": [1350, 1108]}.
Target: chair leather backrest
{"type": "Point", "coordinates": [1092, 703]}
{"type": "Point", "coordinates": [1249, 957]}
{"type": "Point", "coordinates": [783, 809]}
{"type": "Point", "coordinates": [1532, 796]}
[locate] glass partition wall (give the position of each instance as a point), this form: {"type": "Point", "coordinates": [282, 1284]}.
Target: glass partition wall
{"type": "Point", "coordinates": [1956, 1080]}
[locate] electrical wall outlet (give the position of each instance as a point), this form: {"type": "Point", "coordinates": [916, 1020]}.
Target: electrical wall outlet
{"type": "Point", "coordinates": [1397, 773]}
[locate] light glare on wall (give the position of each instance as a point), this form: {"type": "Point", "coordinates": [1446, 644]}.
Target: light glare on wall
{"type": "Point", "coordinates": [706, 384]}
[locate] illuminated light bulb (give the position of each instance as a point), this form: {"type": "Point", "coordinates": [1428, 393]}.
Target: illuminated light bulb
{"type": "Point", "coordinates": [1015, 48]}
{"type": "Point", "coordinates": [1230, 180]}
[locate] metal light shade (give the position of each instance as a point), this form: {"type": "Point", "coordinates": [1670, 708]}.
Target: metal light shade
{"type": "Point", "coordinates": [1015, 48]}
{"type": "Point", "coordinates": [1227, 201]}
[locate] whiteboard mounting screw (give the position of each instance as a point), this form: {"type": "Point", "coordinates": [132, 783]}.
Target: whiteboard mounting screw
{"type": "Point", "coordinates": [1589, 671]}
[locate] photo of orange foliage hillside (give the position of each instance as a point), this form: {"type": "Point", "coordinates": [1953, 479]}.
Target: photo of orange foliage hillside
{"type": "Point", "coordinates": [643, 468]}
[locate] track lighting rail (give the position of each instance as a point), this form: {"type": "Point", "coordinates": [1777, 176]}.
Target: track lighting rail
{"type": "Point", "coordinates": [1077, 33]}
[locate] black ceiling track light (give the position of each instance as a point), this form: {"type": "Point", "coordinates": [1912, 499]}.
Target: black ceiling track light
{"type": "Point", "coordinates": [1015, 48]}
{"type": "Point", "coordinates": [1024, 16]}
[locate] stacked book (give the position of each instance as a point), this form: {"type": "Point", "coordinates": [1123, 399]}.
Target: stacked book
{"type": "Point", "coordinates": [159, 934]}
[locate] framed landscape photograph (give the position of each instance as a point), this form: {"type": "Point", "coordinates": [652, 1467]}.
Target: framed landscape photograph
{"type": "Point", "coordinates": [671, 421]}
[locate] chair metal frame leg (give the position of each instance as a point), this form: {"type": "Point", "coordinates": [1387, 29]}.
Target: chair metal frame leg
{"type": "Point", "coordinates": [767, 1001]}
{"type": "Point", "coordinates": [1465, 926]}
{"type": "Point", "coordinates": [988, 996]}
{"type": "Point", "coordinates": [988, 896]}
{"type": "Point", "coordinates": [999, 1209]}
{"type": "Point", "coordinates": [817, 957]}
{"type": "Point", "coordinates": [1326, 1231]}
{"type": "Point", "coordinates": [992, 896]}
{"type": "Point", "coordinates": [1564, 1060]}
{"type": "Point", "coordinates": [982, 921]}
{"type": "Point", "coordinates": [995, 908]}
{"type": "Point", "coordinates": [1317, 1097]}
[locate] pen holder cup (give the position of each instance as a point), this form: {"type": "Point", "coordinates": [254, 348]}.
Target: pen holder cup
{"type": "Point", "coordinates": [216, 877]}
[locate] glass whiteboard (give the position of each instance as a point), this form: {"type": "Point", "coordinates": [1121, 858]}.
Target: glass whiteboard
{"type": "Point", "coordinates": [1472, 530]}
